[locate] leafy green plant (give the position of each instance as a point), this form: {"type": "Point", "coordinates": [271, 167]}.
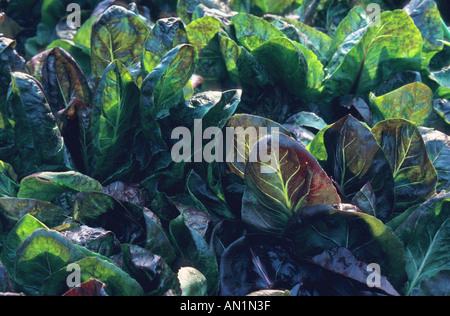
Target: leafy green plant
{"type": "Point", "coordinates": [354, 115]}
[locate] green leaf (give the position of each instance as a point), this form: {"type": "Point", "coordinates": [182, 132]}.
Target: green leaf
{"type": "Point", "coordinates": [47, 186]}
{"type": "Point", "coordinates": [202, 33]}
{"type": "Point", "coordinates": [192, 282]}
{"type": "Point", "coordinates": [377, 55]}
{"type": "Point", "coordinates": [442, 77]}
{"type": "Point", "coordinates": [165, 83]}
{"type": "Point", "coordinates": [438, 147]}
{"type": "Point", "coordinates": [125, 219]}
{"type": "Point", "coordinates": [313, 39]}
{"type": "Point", "coordinates": [426, 235]}
{"type": "Point", "coordinates": [318, 228]}
{"type": "Point", "coordinates": [118, 282]}
{"type": "Point", "coordinates": [205, 198]}
{"type": "Point", "coordinates": [413, 102]}
{"type": "Point", "coordinates": [286, 63]}
{"type": "Point", "coordinates": [84, 33]}
{"type": "Point", "coordinates": [252, 32]}
{"type": "Point", "coordinates": [276, 191]}
{"type": "Point", "coordinates": [194, 247]}
{"type": "Point", "coordinates": [414, 174]}
{"type": "Point", "coordinates": [353, 159]}
{"type": "Point", "coordinates": [114, 117]}
{"type": "Point", "coordinates": [48, 213]}
{"type": "Point", "coordinates": [41, 255]}
{"type": "Point", "coordinates": [355, 20]}
{"type": "Point", "coordinates": [118, 34]}
{"type": "Point", "coordinates": [11, 61]}
{"type": "Point", "coordinates": [149, 270]}
{"type": "Point", "coordinates": [243, 139]}
{"type": "Point", "coordinates": [8, 180]}
{"type": "Point", "coordinates": [166, 35]}
{"type": "Point", "coordinates": [23, 228]}
{"type": "Point", "coordinates": [38, 144]}
{"type": "Point", "coordinates": [426, 16]}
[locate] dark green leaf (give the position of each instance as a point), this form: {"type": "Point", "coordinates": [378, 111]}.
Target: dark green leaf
{"type": "Point", "coordinates": [285, 62]}
{"type": "Point", "coordinates": [194, 247]}
{"type": "Point", "coordinates": [426, 234]}
{"type": "Point", "coordinates": [354, 158]}
{"type": "Point", "coordinates": [438, 147]}
{"type": "Point", "coordinates": [427, 18]}
{"type": "Point", "coordinates": [415, 177]}
{"type": "Point", "coordinates": [151, 271]}
{"type": "Point", "coordinates": [38, 144]}
{"type": "Point", "coordinates": [318, 228]}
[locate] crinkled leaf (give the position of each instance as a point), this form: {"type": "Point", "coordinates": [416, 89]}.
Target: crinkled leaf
{"type": "Point", "coordinates": [125, 219]}
{"type": "Point", "coordinates": [97, 240]}
{"type": "Point", "coordinates": [341, 261]}
{"type": "Point", "coordinates": [46, 212]}
{"type": "Point", "coordinates": [415, 177]}
{"type": "Point", "coordinates": [202, 33]}
{"type": "Point", "coordinates": [276, 191]}
{"type": "Point", "coordinates": [10, 61]}
{"type": "Point", "coordinates": [62, 80]}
